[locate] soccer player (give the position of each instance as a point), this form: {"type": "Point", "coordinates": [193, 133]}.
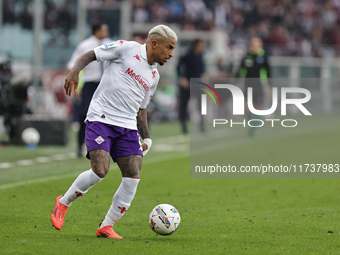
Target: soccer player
{"type": "Point", "coordinates": [255, 68]}
{"type": "Point", "coordinates": [91, 75]}
{"type": "Point", "coordinates": [115, 117]}
{"type": "Point", "coordinates": [190, 65]}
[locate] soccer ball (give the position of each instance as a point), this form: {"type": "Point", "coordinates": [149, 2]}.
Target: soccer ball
{"type": "Point", "coordinates": [164, 219]}
{"type": "Point", "coordinates": [30, 136]}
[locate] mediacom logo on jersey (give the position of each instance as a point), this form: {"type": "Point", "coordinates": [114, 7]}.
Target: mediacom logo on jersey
{"type": "Point", "coordinates": [138, 78]}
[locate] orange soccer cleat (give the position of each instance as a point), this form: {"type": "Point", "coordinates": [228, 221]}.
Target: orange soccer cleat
{"type": "Point", "coordinates": [107, 232]}
{"type": "Point", "coordinates": [58, 213]}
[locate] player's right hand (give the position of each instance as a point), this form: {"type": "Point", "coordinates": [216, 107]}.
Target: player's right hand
{"type": "Point", "coordinates": [184, 82]}
{"type": "Point", "coordinates": [146, 145]}
{"type": "Point", "coordinates": [71, 82]}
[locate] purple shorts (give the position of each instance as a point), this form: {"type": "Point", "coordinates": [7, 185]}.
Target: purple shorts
{"type": "Point", "coordinates": [118, 141]}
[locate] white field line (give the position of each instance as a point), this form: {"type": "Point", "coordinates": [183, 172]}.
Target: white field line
{"type": "Point", "coordinates": [60, 157]}
{"type": "Point", "coordinates": [5, 165]}
{"type": "Point", "coordinates": [43, 159]}
{"type": "Point", "coordinates": [170, 147]}
{"type": "Point", "coordinates": [25, 162]}
{"type": "Point", "coordinates": [29, 162]}
{"type": "Point", "coordinates": [179, 140]}
{"type": "Point", "coordinates": [172, 143]}
{"type": "Point", "coordinates": [158, 145]}
{"type": "Point", "coordinates": [236, 143]}
{"type": "Point", "coordinates": [74, 174]}
{"type": "Point", "coordinates": [163, 144]}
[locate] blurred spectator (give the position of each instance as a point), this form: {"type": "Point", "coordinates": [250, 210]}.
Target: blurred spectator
{"type": "Point", "coordinates": [222, 69]}
{"type": "Point", "coordinates": [255, 69]}
{"type": "Point", "coordinates": [222, 8]}
{"type": "Point", "coordinates": [25, 16]}
{"type": "Point", "coordinates": [289, 24]}
{"type": "Point", "coordinates": [66, 20]}
{"type": "Point", "coordinates": [140, 14]}
{"type": "Point", "coordinates": [139, 39]}
{"type": "Point", "coordinates": [281, 23]}
{"type": "Point", "coordinates": [51, 16]}
{"type": "Point", "coordinates": [92, 74]}
{"type": "Point", "coordinates": [195, 9]}
{"type": "Point", "coordinates": [175, 10]}
{"type": "Point", "coordinates": [190, 65]}
{"type": "Point", "coordinates": [278, 40]}
{"type": "Point", "coordinates": [59, 21]}
{"type": "Point", "coordinates": [8, 12]}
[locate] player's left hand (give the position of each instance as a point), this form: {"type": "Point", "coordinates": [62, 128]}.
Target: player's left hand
{"type": "Point", "coordinates": [146, 145]}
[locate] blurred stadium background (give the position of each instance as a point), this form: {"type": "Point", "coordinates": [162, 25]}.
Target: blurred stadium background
{"type": "Point", "coordinates": [293, 216]}
{"type": "Point", "coordinates": [38, 37]}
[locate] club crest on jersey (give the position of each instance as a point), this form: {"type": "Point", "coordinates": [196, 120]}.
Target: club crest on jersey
{"type": "Point", "coordinates": [99, 140]}
{"type": "Point", "coordinates": [153, 74]}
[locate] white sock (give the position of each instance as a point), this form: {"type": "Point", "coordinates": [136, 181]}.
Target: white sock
{"type": "Point", "coordinates": [80, 186]}
{"type": "Point", "coordinates": [121, 201]}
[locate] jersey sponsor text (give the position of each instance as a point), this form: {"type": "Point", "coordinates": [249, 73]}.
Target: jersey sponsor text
{"type": "Point", "coordinates": [138, 78]}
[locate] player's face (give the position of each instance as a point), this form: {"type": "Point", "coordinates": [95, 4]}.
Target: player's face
{"type": "Point", "coordinates": [200, 47]}
{"type": "Point", "coordinates": [255, 44]}
{"type": "Point", "coordinates": [104, 31]}
{"type": "Point", "coordinates": [164, 51]}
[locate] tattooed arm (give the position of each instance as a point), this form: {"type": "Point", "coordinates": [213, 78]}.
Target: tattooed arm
{"type": "Point", "coordinates": [72, 78]}
{"type": "Point", "coordinates": [142, 123]}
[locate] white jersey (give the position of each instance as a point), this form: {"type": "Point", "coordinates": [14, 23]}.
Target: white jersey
{"type": "Point", "coordinates": [93, 71]}
{"type": "Point", "coordinates": [127, 85]}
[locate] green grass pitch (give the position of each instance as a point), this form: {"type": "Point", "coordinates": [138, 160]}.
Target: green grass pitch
{"type": "Point", "coordinates": [218, 216]}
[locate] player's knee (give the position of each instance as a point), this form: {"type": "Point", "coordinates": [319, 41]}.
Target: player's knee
{"type": "Point", "coordinates": [100, 171]}
{"type": "Point", "coordinates": [133, 174]}
{"type": "Point", "coordinates": [130, 166]}
{"type": "Point", "coordinates": [102, 174]}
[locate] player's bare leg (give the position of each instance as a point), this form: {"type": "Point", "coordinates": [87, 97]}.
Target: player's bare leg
{"type": "Point", "coordinates": [100, 163]}
{"type": "Point", "coordinates": [130, 167]}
